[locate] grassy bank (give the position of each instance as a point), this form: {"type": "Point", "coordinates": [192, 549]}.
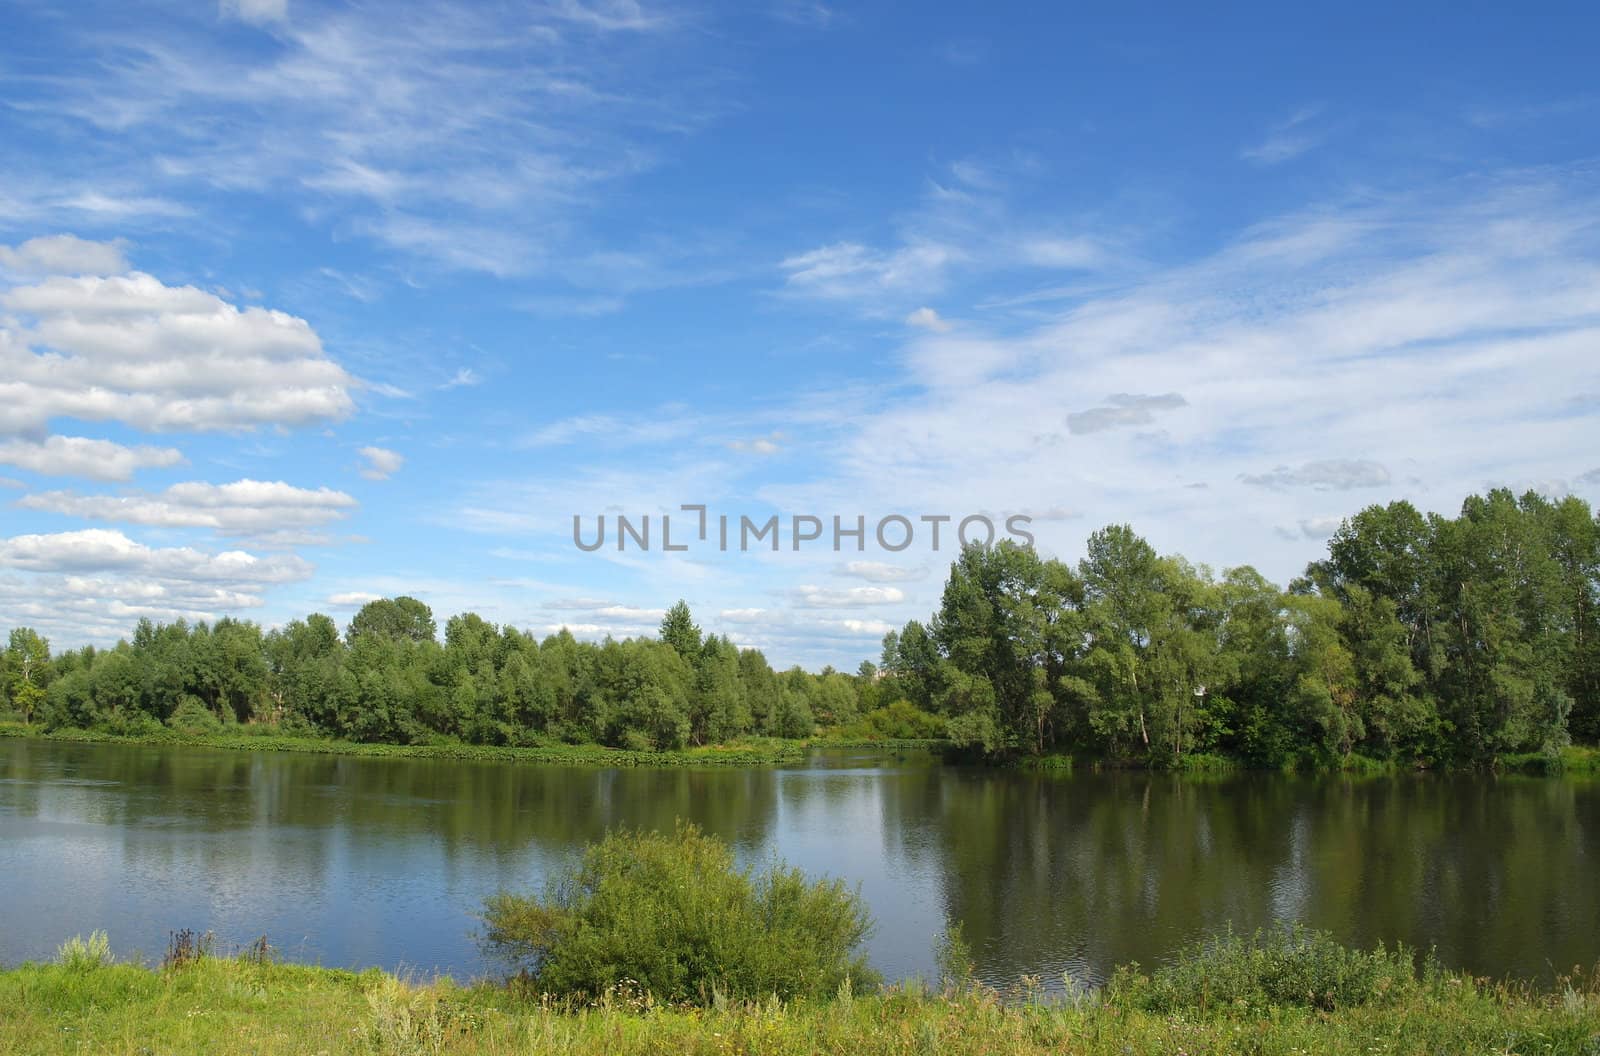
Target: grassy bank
{"type": "Point", "coordinates": [217, 1005]}
{"type": "Point", "coordinates": [1572, 761]}
{"type": "Point", "coordinates": [753, 752]}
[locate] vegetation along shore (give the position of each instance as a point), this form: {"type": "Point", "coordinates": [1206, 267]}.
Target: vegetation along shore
{"type": "Point", "coordinates": [1415, 642]}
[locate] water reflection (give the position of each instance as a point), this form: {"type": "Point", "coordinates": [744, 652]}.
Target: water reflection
{"type": "Point", "coordinates": [381, 861]}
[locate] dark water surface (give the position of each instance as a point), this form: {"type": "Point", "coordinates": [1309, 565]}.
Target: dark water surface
{"type": "Point", "coordinates": [361, 862]}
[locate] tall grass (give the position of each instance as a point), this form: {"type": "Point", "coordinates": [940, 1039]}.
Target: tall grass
{"type": "Point", "coordinates": [226, 1006]}
{"type": "Point", "coordinates": [79, 954]}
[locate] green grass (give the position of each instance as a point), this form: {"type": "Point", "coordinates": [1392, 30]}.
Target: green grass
{"type": "Point", "coordinates": [750, 752]}
{"type": "Point", "coordinates": [226, 1006]}
{"type": "Point", "coordinates": [1573, 760]}
{"type": "Point", "coordinates": [1580, 759]}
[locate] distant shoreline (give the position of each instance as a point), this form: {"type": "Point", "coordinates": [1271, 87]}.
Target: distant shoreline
{"type": "Point", "coordinates": [740, 754]}
{"type": "Point", "coordinates": [1573, 761]}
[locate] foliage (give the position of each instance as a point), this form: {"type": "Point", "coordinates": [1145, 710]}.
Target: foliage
{"type": "Point", "coordinates": [222, 1005]}
{"type": "Point", "coordinates": [243, 738]}
{"type": "Point", "coordinates": [79, 954]}
{"type": "Point", "coordinates": [193, 718]}
{"type": "Point", "coordinates": [1287, 967]}
{"type": "Point", "coordinates": [899, 720]}
{"type": "Point", "coordinates": [1416, 641]}
{"type": "Point", "coordinates": [673, 917]}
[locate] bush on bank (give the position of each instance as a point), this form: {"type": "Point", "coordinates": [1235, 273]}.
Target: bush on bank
{"type": "Point", "coordinates": [217, 1005]}
{"type": "Point", "coordinates": [672, 916]}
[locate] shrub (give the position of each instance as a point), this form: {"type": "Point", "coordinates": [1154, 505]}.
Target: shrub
{"type": "Point", "coordinates": [672, 916]}
{"type": "Point", "coordinates": [79, 954]}
{"type": "Point", "coordinates": [1287, 966]}
{"type": "Point", "coordinates": [900, 720]}
{"type": "Point", "coordinates": [192, 718]}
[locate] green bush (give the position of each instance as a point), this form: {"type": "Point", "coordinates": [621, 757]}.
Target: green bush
{"type": "Point", "coordinates": [671, 915]}
{"type": "Point", "coordinates": [192, 718]}
{"type": "Point", "coordinates": [900, 720]}
{"type": "Point", "coordinates": [79, 954]}
{"type": "Point", "coordinates": [1291, 966]}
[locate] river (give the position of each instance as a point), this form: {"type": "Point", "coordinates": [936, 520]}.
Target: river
{"type": "Point", "coordinates": [357, 861]}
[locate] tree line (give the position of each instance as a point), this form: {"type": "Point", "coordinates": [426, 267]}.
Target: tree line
{"type": "Point", "coordinates": [388, 678]}
{"type": "Point", "coordinates": [1416, 639]}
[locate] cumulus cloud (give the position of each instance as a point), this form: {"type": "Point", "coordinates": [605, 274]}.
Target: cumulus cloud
{"type": "Point", "coordinates": [63, 255]}
{"type": "Point", "coordinates": [1320, 527]}
{"type": "Point", "coordinates": [77, 456]}
{"type": "Point", "coordinates": [381, 463]}
{"type": "Point", "coordinates": [94, 584]}
{"type": "Point", "coordinates": [829, 598]}
{"type": "Point", "coordinates": [131, 349]}
{"type": "Point", "coordinates": [1337, 474]}
{"type": "Point", "coordinates": [106, 550]}
{"type": "Point", "coordinates": [882, 572]}
{"type": "Point", "coordinates": [242, 508]}
{"type": "Point", "coordinates": [927, 319]}
{"type": "Point", "coordinates": [761, 445]}
{"type": "Point", "coordinates": [1123, 409]}
{"type": "Point", "coordinates": [351, 598]}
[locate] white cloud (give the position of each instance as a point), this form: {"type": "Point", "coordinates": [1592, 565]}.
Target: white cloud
{"type": "Point", "coordinates": [742, 615]}
{"type": "Point", "coordinates": [130, 349]}
{"type": "Point", "coordinates": [394, 128]}
{"type": "Point", "coordinates": [927, 319]}
{"type": "Point", "coordinates": [381, 463]}
{"type": "Point", "coordinates": [77, 456]}
{"type": "Point", "coordinates": [92, 585]}
{"type": "Point", "coordinates": [63, 255]}
{"type": "Point", "coordinates": [829, 598]}
{"type": "Point", "coordinates": [761, 445]}
{"type": "Point", "coordinates": [257, 12]}
{"type": "Point", "coordinates": [1320, 527]}
{"type": "Point", "coordinates": [463, 378]}
{"type": "Point", "coordinates": [351, 598]}
{"type": "Point", "coordinates": [850, 271]}
{"type": "Point", "coordinates": [1412, 346]}
{"type": "Point", "coordinates": [242, 508]}
{"type": "Point", "coordinates": [1071, 254]}
{"type": "Point", "coordinates": [106, 550]}
{"type": "Point", "coordinates": [882, 572]}
{"type": "Point", "coordinates": [876, 628]}
{"type": "Point", "coordinates": [1286, 141]}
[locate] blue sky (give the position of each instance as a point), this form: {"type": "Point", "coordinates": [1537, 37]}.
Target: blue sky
{"type": "Point", "coordinates": [302, 304]}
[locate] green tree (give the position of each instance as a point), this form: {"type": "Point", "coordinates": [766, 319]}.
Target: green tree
{"type": "Point", "coordinates": [399, 619]}
{"type": "Point", "coordinates": [25, 671]}
{"type": "Point", "coordinates": [679, 631]}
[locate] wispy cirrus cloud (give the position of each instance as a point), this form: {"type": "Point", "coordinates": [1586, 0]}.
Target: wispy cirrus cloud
{"type": "Point", "coordinates": [1286, 140]}
{"type": "Point", "coordinates": [466, 136]}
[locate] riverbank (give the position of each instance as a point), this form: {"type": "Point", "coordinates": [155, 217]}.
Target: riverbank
{"type": "Point", "coordinates": [755, 752]}
{"type": "Point", "coordinates": [747, 752]}
{"type": "Point", "coordinates": [1571, 761]}
{"type": "Point", "coordinates": [223, 1005]}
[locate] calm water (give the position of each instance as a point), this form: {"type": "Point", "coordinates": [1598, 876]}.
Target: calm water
{"type": "Point", "coordinates": [380, 862]}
